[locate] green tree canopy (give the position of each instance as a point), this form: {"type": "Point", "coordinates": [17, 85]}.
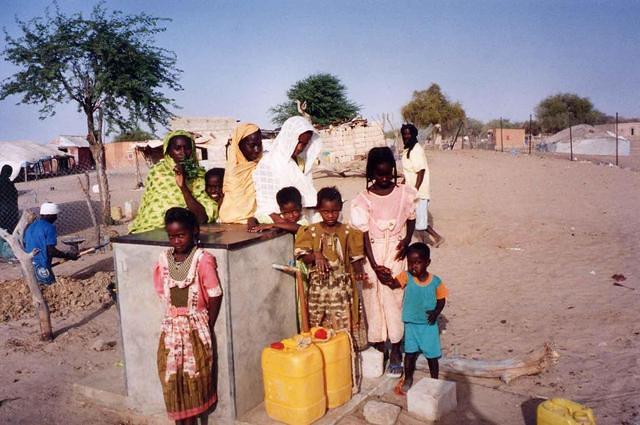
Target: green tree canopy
{"type": "Point", "coordinates": [326, 99]}
{"type": "Point", "coordinates": [107, 64]}
{"type": "Point", "coordinates": [559, 111]}
{"type": "Point", "coordinates": [431, 106]}
{"type": "Point", "coordinates": [134, 136]}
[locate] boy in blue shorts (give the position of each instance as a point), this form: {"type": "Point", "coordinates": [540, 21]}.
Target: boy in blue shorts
{"type": "Point", "coordinates": [424, 299]}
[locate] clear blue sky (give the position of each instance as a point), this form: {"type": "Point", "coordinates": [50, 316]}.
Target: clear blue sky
{"type": "Point", "coordinates": [498, 58]}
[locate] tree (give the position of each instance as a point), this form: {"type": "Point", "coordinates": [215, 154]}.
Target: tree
{"type": "Point", "coordinates": [106, 64]}
{"type": "Point", "coordinates": [473, 127]}
{"type": "Point", "coordinates": [326, 100]}
{"type": "Point", "coordinates": [562, 110]}
{"type": "Point", "coordinates": [431, 106]}
{"type": "Point", "coordinates": [134, 135]}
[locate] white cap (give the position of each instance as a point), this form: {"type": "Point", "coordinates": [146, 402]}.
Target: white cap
{"type": "Point", "coordinates": [49, 208]}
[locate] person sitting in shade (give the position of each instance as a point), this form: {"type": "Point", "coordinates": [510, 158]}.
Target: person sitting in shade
{"type": "Point", "coordinates": [42, 236]}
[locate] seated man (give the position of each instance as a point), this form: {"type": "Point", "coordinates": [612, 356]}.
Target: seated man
{"type": "Point", "coordinates": [43, 236]}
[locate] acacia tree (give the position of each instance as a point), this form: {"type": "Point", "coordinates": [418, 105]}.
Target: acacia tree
{"type": "Point", "coordinates": [562, 110]}
{"type": "Point", "coordinates": [325, 97]}
{"type": "Point", "coordinates": [431, 106]}
{"type": "Point", "coordinates": [107, 64]}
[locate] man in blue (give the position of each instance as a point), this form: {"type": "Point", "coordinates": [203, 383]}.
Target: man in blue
{"type": "Point", "coordinates": [43, 236]}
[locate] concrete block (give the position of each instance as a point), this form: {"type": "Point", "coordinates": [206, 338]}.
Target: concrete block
{"type": "Point", "coordinates": [379, 413]}
{"type": "Point", "coordinates": [432, 398]}
{"type": "Point", "coordinates": [372, 363]}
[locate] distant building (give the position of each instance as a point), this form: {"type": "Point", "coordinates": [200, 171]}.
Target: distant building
{"type": "Point", "coordinates": [628, 130]}
{"type": "Point", "coordinates": [508, 138]}
{"type": "Point", "coordinates": [78, 147]}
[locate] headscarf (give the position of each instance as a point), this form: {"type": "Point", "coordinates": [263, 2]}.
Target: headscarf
{"type": "Point", "coordinates": [161, 191]}
{"type": "Point", "coordinates": [277, 169]}
{"type": "Point", "coordinates": [239, 193]}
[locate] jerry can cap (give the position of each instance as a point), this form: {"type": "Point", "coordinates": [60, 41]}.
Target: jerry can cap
{"type": "Point", "coordinates": [277, 345]}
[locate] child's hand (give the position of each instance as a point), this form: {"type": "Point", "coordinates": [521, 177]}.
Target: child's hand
{"type": "Point", "coordinates": [383, 274]}
{"type": "Point", "coordinates": [260, 228]}
{"type": "Point", "coordinates": [432, 316]}
{"type": "Point", "coordinates": [322, 265]}
{"type": "Point", "coordinates": [252, 223]}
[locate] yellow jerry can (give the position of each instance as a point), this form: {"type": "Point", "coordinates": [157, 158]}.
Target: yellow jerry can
{"type": "Point", "coordinates": [293, 382]}
{"type": "Point", "coordinates": [336, 352]}
{"type": "Point", "coordinates": [559, 411]}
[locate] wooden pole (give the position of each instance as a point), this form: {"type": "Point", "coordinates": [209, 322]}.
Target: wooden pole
{"type": "Point", "coordinates": [571, 144]}
{"type": "Point", "coordinates": [616, 138]}
{"type": "Point", "coordinates": [530, 134]}
{"type": "Point", "coordinates": [15, 242]}
{"type": "Point", "coordinates": [501, 143]}
{"type": "Point", "coordinates": [87, 196]}
{"type": "Point", "coordinates": [304, 307]}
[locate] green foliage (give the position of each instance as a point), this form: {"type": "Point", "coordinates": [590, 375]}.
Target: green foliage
{"type": "Point", "coordinates": [559, 111]}
{"type": "Point", "coordinates": [106, 63]}
{"type": "Point", "coordinates": [473, 127]}
{"type": "Point", "coordinates": [134, 135]}
{"type": "Point", "coordinates": [326, 100]}
{"type": "Point", "coordinates": [431, 106]}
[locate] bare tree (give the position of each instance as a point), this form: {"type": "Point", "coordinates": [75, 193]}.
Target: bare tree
{"type": "Point", "coordinates": [15, 241]}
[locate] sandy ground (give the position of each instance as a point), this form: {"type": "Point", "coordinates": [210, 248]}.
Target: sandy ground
{"type": "Point", "coordinates": [531, 246]}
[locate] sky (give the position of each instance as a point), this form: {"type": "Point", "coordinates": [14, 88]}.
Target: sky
{"type": "Point", "coordinates": [497, 58]}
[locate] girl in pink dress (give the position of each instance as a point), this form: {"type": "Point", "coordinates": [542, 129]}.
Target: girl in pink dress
{"type": "Point", "coordinates": [186, 280]}
{"type": "Point", "coordinates": [386, 213]}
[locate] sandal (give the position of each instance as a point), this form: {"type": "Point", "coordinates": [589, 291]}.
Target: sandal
{"type": "Point", "coordinates": [394, 370]}
{"type": "Point", "coordinates": [398, 388]}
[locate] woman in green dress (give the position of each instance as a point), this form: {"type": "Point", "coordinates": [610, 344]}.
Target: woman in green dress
{"type": "Point", "coordinates": [175, 181]}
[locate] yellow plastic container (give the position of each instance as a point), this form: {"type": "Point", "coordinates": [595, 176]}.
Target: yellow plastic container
{"type": "Point", "coordinates": [336, 352]}
{"type": "Point", "coordinates": [559, 411]}
{"type": "Point", "coordinates": [293, 383]}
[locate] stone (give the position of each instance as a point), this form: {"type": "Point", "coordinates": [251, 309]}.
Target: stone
{"type": "Point", "coordinates": [372, 363]}
{"type": "Point", "coordinates": [102, 345]}
{"type": "Point", "coordinates": [431, 399]}
{"type": "Point", "coordinates": [380, 413]}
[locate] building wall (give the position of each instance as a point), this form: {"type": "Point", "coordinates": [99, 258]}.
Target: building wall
{"type": "Point", "coordinates": [512, 138]}
{"type": "Point", "coordinates": [121, 155]}
{"type": "Point", "coordinates": [628, 130]}
{"type": "Point", "coordinates": [345, 143]}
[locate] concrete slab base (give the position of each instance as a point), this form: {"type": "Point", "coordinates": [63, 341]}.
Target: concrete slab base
{"type": "Point", "coordinates": [369, 387]}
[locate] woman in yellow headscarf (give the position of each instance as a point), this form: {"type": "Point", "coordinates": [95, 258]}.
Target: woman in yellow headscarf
{"type": "Point", "coordinates": [175, 181]}
{"type": "Point", "coordinates": [243, 156]}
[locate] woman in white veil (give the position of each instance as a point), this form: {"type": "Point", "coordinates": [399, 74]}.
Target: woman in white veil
{"type": "Point", "coordinates": [288, 163]}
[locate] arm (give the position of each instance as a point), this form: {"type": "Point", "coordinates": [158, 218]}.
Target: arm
{"type": "Point", "coordinates": [382, 273]}
{"type": "Point", "coordinates": [404, 243]}
{"type": "Point", "coordinates": [192, 203]}
{"type": "Point", "coordinates": [419, 179]}
{"type": "Point", "coordinates": [432, 315]}
{"type": "Point", "coordinates": [52, 252]}
{"type": "Point", "coordinates": [214, 310]}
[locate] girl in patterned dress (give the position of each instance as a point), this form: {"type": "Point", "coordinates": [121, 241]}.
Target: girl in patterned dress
{"type": "Point", "coordinates": [187, 282]}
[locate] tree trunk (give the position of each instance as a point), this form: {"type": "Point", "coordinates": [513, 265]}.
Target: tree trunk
{"type": "Point", "coordinates": [94, 137]}
{"type": "Point", "coordinates": [15, 242]}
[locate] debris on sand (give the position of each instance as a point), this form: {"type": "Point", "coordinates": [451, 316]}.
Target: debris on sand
{"type": "Point", "coordinates": [65, 296]}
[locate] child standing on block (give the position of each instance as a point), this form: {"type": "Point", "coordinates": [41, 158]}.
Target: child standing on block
{"type": "Point", "coordinates": [386, 213]}
{"type": "Point", "coordinates": [334, 253]}
{"type": "Point", "coordinates": [186, 280]}
{"type": "Point", "coordinates": [424, 298]}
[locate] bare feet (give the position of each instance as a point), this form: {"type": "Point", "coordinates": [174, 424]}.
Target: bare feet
{"type": "Point", "coordinates": [438, 241]}
{"type": "Point", "coordinates": [408, 382]}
